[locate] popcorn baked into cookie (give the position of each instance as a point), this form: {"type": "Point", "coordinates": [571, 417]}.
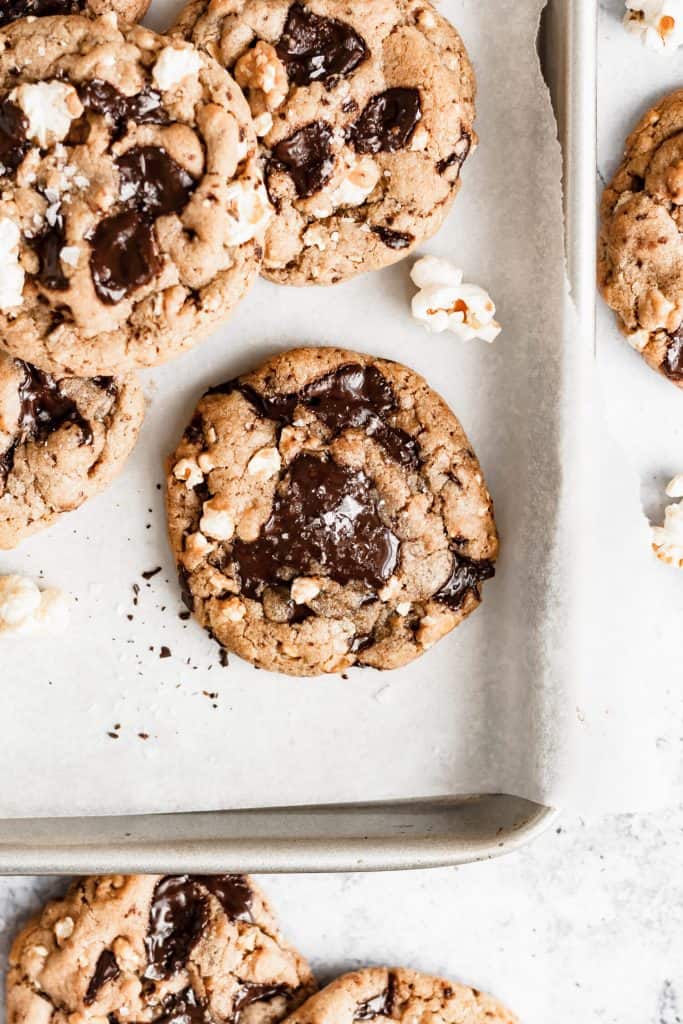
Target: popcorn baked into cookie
{"type": "Point", "coordinates": [62, 440]}
{"type": "Point", "coordinates": [327, 510]}
{"type": "Point", "coordinates": [174, 950]}
{"type": "Point", "coordinates": [399, 994]}
{"type": "Point", "coordinates": [131, 204]}
{"type": "Point", "coordinates": [640, 258]}
{"type": "Point", "coordinates": [365, 115]}
{"type": "Point", "coordinates": [127, 10]}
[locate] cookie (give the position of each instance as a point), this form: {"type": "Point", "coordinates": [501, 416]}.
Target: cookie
{"type": "Point", "coordinates": [173, 950]}
{"type": "Point", "coordinates": [640, 258]}
{"type": "Point", "coordinates": [399, 994]}
{"type": "Point", "coordinates": [327, 510]}
{"type": "Point", "coordinates": [365, 115]}
{"type": "Point", "coordinates": [131, 203]}
{"type": "Point", "coordinates": [62, 440]}
{"type": "Point", "coordinates": [127, 10]}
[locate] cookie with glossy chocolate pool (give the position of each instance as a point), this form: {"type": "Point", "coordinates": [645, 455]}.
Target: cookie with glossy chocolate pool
{"type": "Point", "coordinates": [160, 949]}
{"type": "Point", "coordinates": [399, 994]}
{"type": "Point", "coordinates": [62, 440]}
{"type": "Point", "coordinates": [132, 207]}
{"type": "Point", "coordinates": [640, 256]}
{"type": "Point", "coordinates": [127, 10]}
{"type": "Point", "coordinates": [327, 510]}
{"type": "Point", "coordinates": [365, 115]}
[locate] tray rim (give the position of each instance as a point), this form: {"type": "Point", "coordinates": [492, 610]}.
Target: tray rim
{"type": "Point", "coordinates": [357, 837]}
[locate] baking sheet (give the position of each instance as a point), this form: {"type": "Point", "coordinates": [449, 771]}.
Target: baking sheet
{"type": "Point", "coordinates": [490, 709]}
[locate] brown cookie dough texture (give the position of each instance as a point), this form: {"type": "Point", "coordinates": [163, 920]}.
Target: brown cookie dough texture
{"type": "Point", "coordinates": [62, 440]}
{"type": "Point", "coordinates": [173, 950]}
{"type": "Point", "coordinates": [640, 258]}
{"type": "Point", "coordinates": [327, 510]}
{"type": "Point", "coordinates": [131, 204]}
{"type": "Point", "coordinates": [399, 994]}
{"type": "Point", "coordinates": [127, 10]}
{"type": "Point", "coordinates": [365, 114]}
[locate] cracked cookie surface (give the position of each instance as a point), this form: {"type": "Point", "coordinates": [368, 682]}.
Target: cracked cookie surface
{"type": "Point", "coordinates": [131, 203]}
{"type": "Point", "coordinates": [62, 440]}
{"type": "Point", "coordinates": [327, 510]}
{"type": "Point", "coordinates": [399, 994]}
{"type": "Point", "coordinates": [365, 115]}
{"type": "Point", "coordinates": [168, 949]}
{"type": "Point", "coordinates": [127, 10]}
{"type": "Point", "coordinates": [640, 257]}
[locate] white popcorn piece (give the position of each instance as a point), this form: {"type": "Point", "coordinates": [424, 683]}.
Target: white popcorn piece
{"type": "Point", "coordinates": [50, 107]}
{"type": "Point", "coordinates": [658, 23]}
{"type": "Point", "coordinates": [403, 608]}
{"type": "Point", "coordinates": [304, 589]}
{"type": "Point", "coordinates": [263, 123]}
{"type": "Point", "coordinates": [357, 184]}
{"type": "Point", "coordinates": [64, 929]}
{"type": "Point", "coordinates": [24, 608]}
{"type": "Point", "coordinates": [390, 589]}
{"type": "Point", "coordinates": [264, 463]}
{"type": "Point", "coordinates": [198, 546]}
{"type": "Point", "coordinates": [69, 255]}
{"type": "Point", "coordinates": [216, 522]}
{"type": "Point", "coordinates": [11, 271]}
{"type": "Point", "coordinates": [445, 303]}
{"type": "Point", "coordinates": [189, 471]}
{"type": "Point", "coordinates": [667, 540]}
{"type": "Point", "coordinates": [249, 209]}
{"type": "Point", "coordinates": [638, 340]}
{"type": "Point", "coordinates": [233, 609]}
{"type": "Point", "coordinates": [674, 488]}
{"type": "Point", "coordinates": [261, 73]}
{"type": "Point", "coordinates": [174, 64]}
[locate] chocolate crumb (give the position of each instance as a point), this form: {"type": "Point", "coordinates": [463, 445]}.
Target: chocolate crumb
{"type": "Point", "coordinates": [147, 575]}
{"type": "Point", "coordinates": [165, 652]}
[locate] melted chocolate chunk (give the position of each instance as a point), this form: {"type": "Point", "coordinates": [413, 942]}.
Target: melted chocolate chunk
{"type": "Point", "coordinates": [48, 245]}
{"type": "Point", "coordinates": [306, 156]}
{"type": "Point", "coordinates": [379, 1005]}
{"type": "Point", "coordinates": [250, 992]}
{"type": "Point", "coordinates": [106, 969]}
{"type": "Point", "coordinates": [458, 156]}
{"type": "Point", "coordinates": [466, 575]}
{"type": "Point", "coordinates": [10, 10]}
{"type": "Point", "coordinates": [13, 142]}
{"type": "Point", "coordinates": [124, 255]}
{"type": "Point", "coordinates": [183, 1008]}
{"type": "Point", "coordinates": [153, 182]}
{"type": "Point", "coordinates": [185, 592]}
{"type": "Point", "coordinates": [179, 914]}
{"type": "Point", "coordinates": [325, 519]}
{"type": "Point", "coordinates": [673, 360]}
{"type": "Point", "coordinates": [144, 107]}
{"type": "Point", "coordinates": [317, 49]}
{"type": "Point", "coordinates": [394, 239]}
{"type": "Point", "coordinates": [350, 396]}
{"type": "Point", "coordinates": [387, 122]}
{"type": "Point", "coordinates": [177, 917]}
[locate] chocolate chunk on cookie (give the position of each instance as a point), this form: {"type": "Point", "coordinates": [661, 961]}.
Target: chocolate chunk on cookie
{"type": "Point", "coordinates": [327, 510]}
{"type": "Point", "coordinates": [399, 994]}
{"type": "Point", "coordinates": [640, 255]}
{"type": "Point", "coordinates": [127, 10]}
{"type": "Point", "coordinates": [62, 440]}
{"type": "Point", "coordinates": [365, 116]}
{"type": "Point", "coordinates": [132, 206]}
{"type": "Point", "coordinates": [186, 949]}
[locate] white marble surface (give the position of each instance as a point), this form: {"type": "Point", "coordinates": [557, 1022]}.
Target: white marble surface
{"type": "Point", "coordinates": [587, 925]}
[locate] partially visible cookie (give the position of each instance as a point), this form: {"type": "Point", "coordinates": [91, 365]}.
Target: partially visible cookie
{"type": "Point", "coordinates": [127, 10]}
{"type": "Point", "coordinates": [132, 207]}
{"type": "Point", "coordinates": [327, 510]}
{"type": "Point", "coordinates": [173, 950]}
{"type": "Point", "coordinates": [640, 258]}
{"type": "Point", "coordinates": [62, 440]}
{"type": "Point", "coordinates": [365, 113]}
{"type": "Point", "coordinates": [399, 994]}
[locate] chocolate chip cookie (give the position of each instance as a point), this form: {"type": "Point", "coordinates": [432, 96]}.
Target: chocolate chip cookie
{"type": "Point", "coordinates": [640, 258]}
{"type": "Point", "coordinates": [327, 510]}
{"type": "Point", "coordinates": [131, 204]}
{"type": "Point", "coordinates": [173, 950]}
{"type": "Point", "coordinates": [365, 115]}
{"type": "Point", "coordinates": [62, 440]}
{"type": "Point", "coordinates": [381, 994]}
{"type": "Point", "coordinates": [127, 10]}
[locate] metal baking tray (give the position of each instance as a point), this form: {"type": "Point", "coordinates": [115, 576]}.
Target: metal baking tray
{"type": "Point", "coordinates": [356, 837]}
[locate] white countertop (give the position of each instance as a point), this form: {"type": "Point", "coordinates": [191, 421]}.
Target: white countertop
{"type": "Point", "coordinates": [585, 926]}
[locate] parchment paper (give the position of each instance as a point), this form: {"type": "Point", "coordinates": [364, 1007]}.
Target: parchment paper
{"type": "Point", "coordinates": [493, 707]}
